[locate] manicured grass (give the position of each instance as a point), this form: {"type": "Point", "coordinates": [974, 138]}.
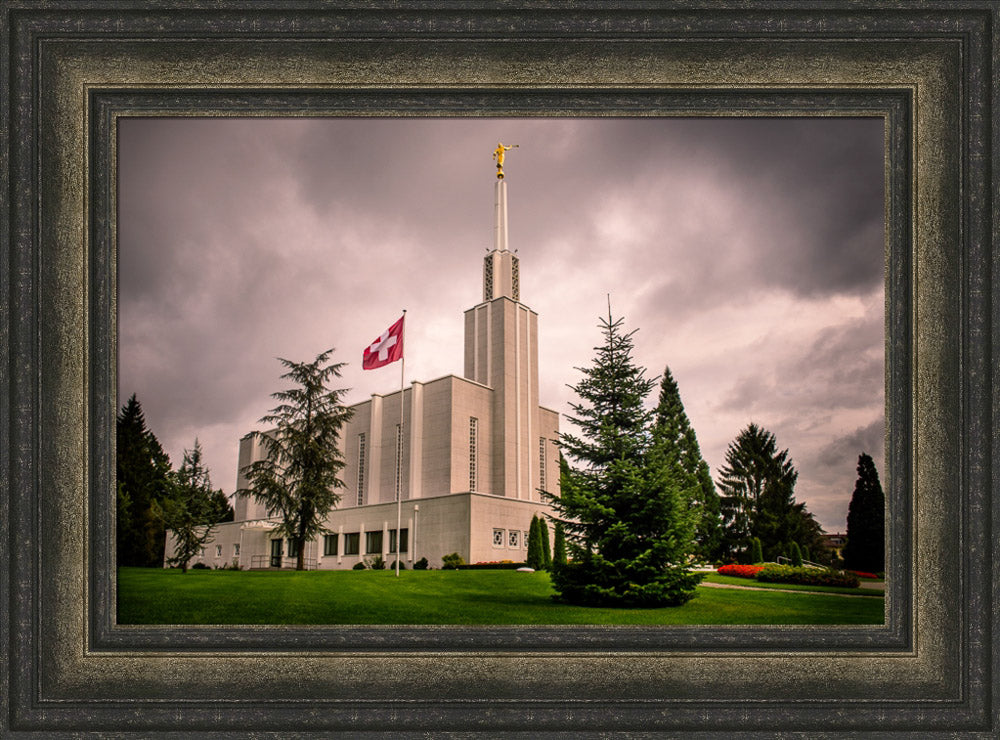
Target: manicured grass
{"type": "Point", "coordinates": [155, 596]}
{"type": "Point", "coordinates": [752, 583]}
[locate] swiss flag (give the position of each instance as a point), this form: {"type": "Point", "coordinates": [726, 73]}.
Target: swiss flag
{"type": "Point", "coordinates": [387, 348]}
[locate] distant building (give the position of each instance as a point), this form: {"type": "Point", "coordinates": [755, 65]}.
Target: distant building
{"type": "Point", "coordinates": [834, 543]}
{"type": "Point", "coordinates": [468, 462]}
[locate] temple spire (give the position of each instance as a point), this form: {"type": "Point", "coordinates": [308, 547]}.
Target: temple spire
{"type": "Point", "coordinates": [500, 219]}
{"type": "Point", "coordinates": [500, 199]}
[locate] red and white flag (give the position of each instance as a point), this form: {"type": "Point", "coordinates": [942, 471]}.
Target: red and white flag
{"type": "Point", "coordinates": [387, 348]}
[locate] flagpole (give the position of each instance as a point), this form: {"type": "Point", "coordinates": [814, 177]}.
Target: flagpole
{"type": "Point", "coordinates": [399, 488]}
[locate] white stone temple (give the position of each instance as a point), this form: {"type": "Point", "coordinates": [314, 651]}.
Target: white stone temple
{"type": "Point", "coordinates": [468, 461]}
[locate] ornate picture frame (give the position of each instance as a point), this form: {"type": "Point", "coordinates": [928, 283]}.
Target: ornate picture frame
{"type": "Point", "coordinates": [71, 69]}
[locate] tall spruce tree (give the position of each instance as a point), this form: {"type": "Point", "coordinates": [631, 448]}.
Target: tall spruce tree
{"type": "Point", "coordinates": [628, 522]}
{"type": "Point", "coordinates": [143, 477]}
{"type": "Point", "coordinates": [674, 428]}
{"type": "Point", "coordinates": [298, 479]}
{"type": "Point", "coordinates": [865, 548]}
{"type": "Point", "coordinates": [756, 485]}
{"type": "Point", "coordinates": [193, 510]}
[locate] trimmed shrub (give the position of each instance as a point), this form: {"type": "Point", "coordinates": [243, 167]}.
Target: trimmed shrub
{"type": "Point", "coordinates": [796, 555]}
{"type": "Point", "coordinates": [757, 553]}
{"type": "Point", "coordinates": [543, 537]}
{"type": "Point", "coordinates": [535, 557]}
{"type": "Point", "coordinates": [807, 576]}
{"type": "Point", "coordinates": [402, 565]}
{"type": "Point", "coordinates": [201, 566]}
{"type": "Point", "coordinates": [375, 563]}
{"type": "Point", "coordinates": [452, 561]}
{"type": "Point", "coordinates": [420, 564]}
{"type": "Point", "coordinates": [360, 566]}
{"type": "Point", "coordinates": [559, 546]}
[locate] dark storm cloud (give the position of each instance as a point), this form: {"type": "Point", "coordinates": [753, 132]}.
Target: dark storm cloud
{"type": "Point", "coordinates": [868, 439]}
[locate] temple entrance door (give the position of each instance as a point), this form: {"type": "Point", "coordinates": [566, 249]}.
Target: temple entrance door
{"type": "Point", "coordinates": [276, 553]}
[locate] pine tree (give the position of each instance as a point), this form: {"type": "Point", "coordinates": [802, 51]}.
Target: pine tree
{"type": "Point", "coordinates": [543, 538]}
{"type": "Point", "coordinates": [628, 523]}
{"type": "Point", "coordinates": [559, 546]}
{"type": "Point", "coordinates": [757, 554]}
{"type": "Point", "coordinates": [694, 478]}
{"type": "Point", "coordinates": [535, 558]}
{"type": "Point", "coordinates": [298, 480]}
{"type": "Point", "coordinates": [755, 484]}
{"type": "Point", "coordinates": [865, 548]}
{"type": "Point", "coordinates": [193, 509]}
{"type": "Point", "coordinates": [143, 477]}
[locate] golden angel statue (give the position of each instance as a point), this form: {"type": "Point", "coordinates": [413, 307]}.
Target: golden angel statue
{"type": "Point", "coordinates": [498, 157]}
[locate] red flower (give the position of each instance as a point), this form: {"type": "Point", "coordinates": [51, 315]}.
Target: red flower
{"type": "Point", "coordinates": [740, 571]}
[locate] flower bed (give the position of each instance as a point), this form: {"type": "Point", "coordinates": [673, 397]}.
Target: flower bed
{"type": "Point", "coordinates": [492, 565]}
{"type": "Point", "coordinates": [740, 571]}
{"type": "Point", "coordinates": [863, 574]}
{"type": "Point", "coordinates": [807, 576]}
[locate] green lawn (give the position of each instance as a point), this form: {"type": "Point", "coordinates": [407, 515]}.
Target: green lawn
{"type": "Point", "coordinates": [156, 596]}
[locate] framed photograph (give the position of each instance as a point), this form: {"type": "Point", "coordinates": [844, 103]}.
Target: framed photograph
{"type": "Point", "coordinates": [81, 77]}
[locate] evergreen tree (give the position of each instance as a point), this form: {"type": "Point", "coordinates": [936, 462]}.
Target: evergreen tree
{"type": "Point", "coordinates": [543, 538]}
{"type": "Point", "coordinates": [143, 477]}
{"type": "Point", "coordinates": [298, 479]}
{"type": "Point", "coordinates": [865, 548]}
{"type": "Point", "coordinates": [535, 558]}
{"type": "Point", "coordinates": [193, 510]}
{"type": "Point", "coordinates": [559, 546]}
{"type": "Point", "coordinates": [757, 555]}
{"type": "Point", "coordinates": [694, 478]}
{"type": "Point", "coordinates": [628, 522]}
{"type": "Point", "coordinates": [795, 554]}
{"type": "Point", "coordinates": [756, 484]}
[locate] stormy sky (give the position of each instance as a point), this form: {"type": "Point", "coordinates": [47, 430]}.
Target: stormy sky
{"type": "Point", "coordinates": [748, 253]}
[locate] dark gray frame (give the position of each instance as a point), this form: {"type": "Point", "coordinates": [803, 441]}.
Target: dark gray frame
{"type": "Point", "coordinates": [70, 69]}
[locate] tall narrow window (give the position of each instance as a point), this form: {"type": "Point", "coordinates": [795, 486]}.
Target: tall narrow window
{"type": "Point", "coordinates": [329, 544]}
{"type": "Point", "coordinates": [399, 461]}
{"type": "Point", "coordinates": [404, 540]}
{"type": "Point", "coordinates": [361, 469]}
{"type": "Point", "coordinates": [515, 278]}
{"type": "Point", "coordinates": [541, 463]}
{"type": "Point", "coordinates": [473, 450]}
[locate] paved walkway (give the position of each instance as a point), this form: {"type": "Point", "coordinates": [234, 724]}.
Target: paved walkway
{"type": "Point", "coordinates": [785, 590]}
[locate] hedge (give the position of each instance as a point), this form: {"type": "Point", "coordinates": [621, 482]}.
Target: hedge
{"type": "Point", "coordinates": [807, 576]}
{"type": "Point", "coordinates": [500, 565]}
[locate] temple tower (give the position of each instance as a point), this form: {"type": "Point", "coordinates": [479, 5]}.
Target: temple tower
{"type": "Point", "coordinates": [501, 351]}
